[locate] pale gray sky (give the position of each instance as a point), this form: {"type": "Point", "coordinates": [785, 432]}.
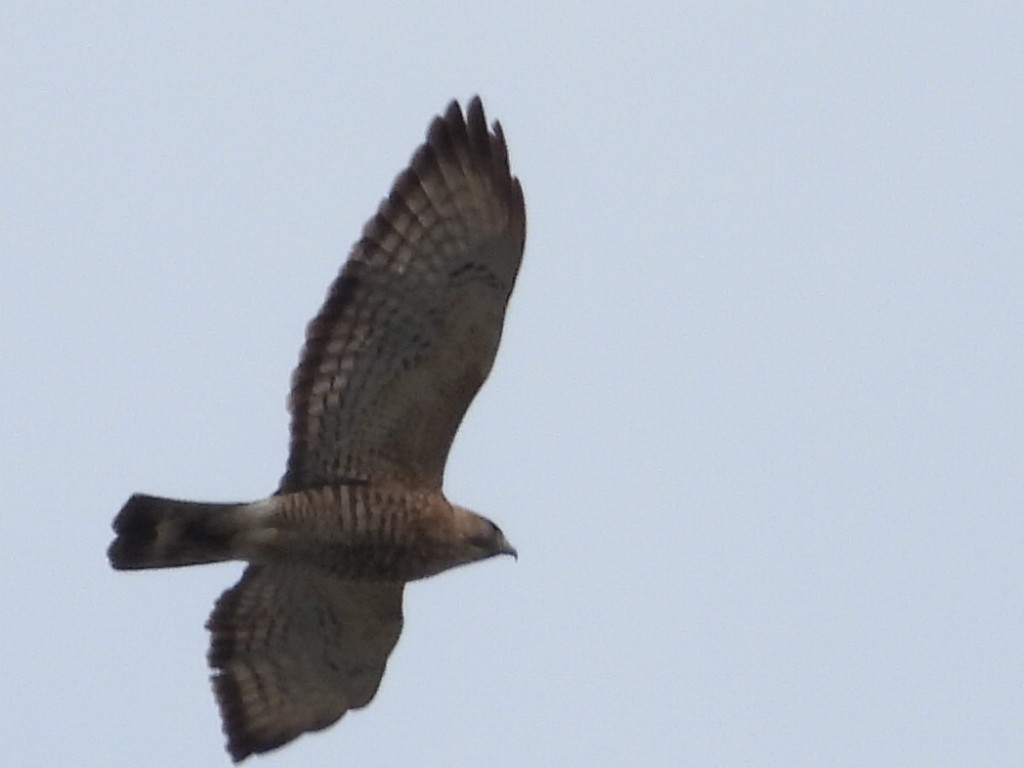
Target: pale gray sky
{"type": "Point", "coordinates": [756, 426]}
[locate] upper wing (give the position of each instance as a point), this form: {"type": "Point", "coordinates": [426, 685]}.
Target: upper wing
{"type": "Point", "coordinates": [293, 649]}
{"type": "Point", "coordinates": [411, 325]}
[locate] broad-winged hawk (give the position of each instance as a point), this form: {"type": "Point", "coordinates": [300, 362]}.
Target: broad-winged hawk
{"type": "Point", "coordinates": [405, 339]}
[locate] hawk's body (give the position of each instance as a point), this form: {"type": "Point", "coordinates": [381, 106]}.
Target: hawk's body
{"type": "Point", "coordinates": [403, 342]}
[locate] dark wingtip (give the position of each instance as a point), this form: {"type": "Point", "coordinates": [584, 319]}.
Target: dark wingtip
{"type": "Point", "coordinates": [241, 741]}
{"type": "Point", "coordinates": [484, 142]}
{"type": "Point", "coordinates": [453, 114]}
{"type": "Point", "coordinates": [475, 112]}
{"type": "Point", "coordinates": [229, 698]}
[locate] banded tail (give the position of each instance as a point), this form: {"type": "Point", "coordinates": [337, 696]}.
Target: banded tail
{"type": "Point", "coordinates": [153, 532]}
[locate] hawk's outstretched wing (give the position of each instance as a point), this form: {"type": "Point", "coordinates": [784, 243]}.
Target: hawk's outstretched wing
{"type": "Point", "coordinates": [410, 327]}
{"type": "Point", "coordinates": [294, 648]}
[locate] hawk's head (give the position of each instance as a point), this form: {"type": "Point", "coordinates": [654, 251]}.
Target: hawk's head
{"type": "Point", "coordinates": [479, 537]}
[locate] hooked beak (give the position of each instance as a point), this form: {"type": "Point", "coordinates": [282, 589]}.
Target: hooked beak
{"type": "Point", "coordinates": [508, 549]}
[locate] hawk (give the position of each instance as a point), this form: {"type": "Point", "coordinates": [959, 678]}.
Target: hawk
{"type": "Point", "coordinates": [402, 344]}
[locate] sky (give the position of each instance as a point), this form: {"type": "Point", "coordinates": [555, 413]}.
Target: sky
{"type": "Point", "coordinates": [755, 428]}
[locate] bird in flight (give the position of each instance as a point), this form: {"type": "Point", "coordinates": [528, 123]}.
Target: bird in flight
{"type": "Point", "coordinates": [403, 342]}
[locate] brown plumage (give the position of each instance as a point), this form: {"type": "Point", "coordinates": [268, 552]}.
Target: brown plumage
{"type": "Point", "coordinates": [402, 344]}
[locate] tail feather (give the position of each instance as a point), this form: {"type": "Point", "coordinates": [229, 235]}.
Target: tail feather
{"type": "Point", "coordinates": [153, 532]}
